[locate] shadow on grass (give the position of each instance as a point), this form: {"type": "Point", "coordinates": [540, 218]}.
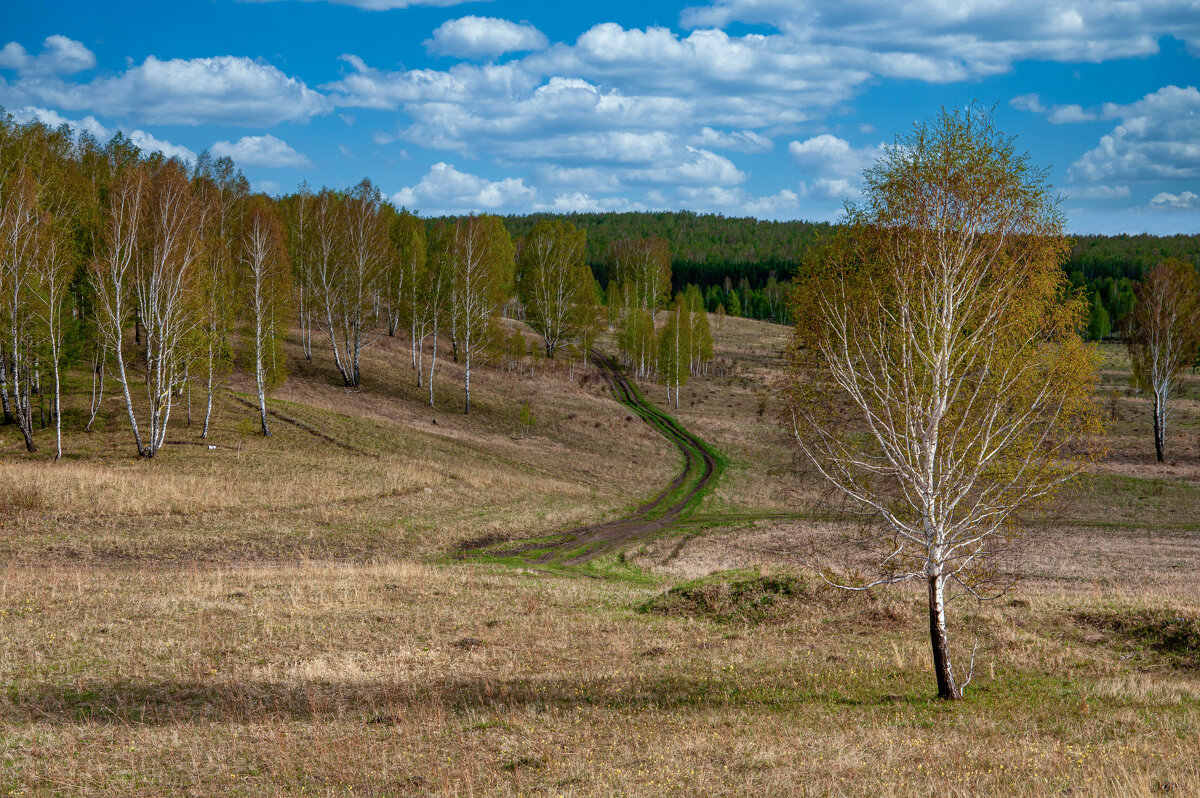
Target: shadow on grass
{"type": "Point", "coordinates": [160, 703]}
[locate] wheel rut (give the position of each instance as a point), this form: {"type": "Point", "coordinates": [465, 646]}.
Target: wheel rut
{"type": "Point", "coordinates": [583, 544]}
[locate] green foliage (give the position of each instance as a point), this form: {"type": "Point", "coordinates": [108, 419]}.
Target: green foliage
{"type": "Point", "coordinates": [554, 284]}
{"type": "Point", "coordinates": [526, 418]}
{"type": "Point", "coordinates": [674, 347]}
{"type": "Point", "coordinates": [1099, 324]}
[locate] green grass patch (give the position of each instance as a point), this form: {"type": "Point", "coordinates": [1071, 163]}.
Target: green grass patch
{"type": "Point", "coordinates": [732, 596]}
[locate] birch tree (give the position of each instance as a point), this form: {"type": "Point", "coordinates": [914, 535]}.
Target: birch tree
{"type": "Point", "coordinates": [147, 265]}
{"type": "Point", "coordinates": [297, 211]}
{"type": "Point", "coordinates": [350, 239]}
{"type": "Point", "coordinates": [266, 277]}
{"type": "Point", "coordinates": [20, 234]}
{"type": "Point", "coordinates": [555, 284]}
{"type": "Point", "coordinates": [645, 264]}
{"type": "Point", "coordinates": [408, 252]}
{"type": "Point", "coordinates": [433, 297]}
{"type": "Point", "coordinates": [220, 195]}
{"type": "Point", "coordinates": [674, 350]}
{"type": "Point", "coordinates": [938, 381]}
{"type": "Point", "coordinates": [1165, 335]}
{"type": "Point", "coordinates": [112, 275]}
{"type": "Point", "coordinates": [481, 262]}
{"type": "Point", "coordinates": [55, 270]}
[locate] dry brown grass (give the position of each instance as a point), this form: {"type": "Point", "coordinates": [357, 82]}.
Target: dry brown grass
{"type": "Point", "coordinates": [430, 478]}
{"type": "Point", "coordinates": [276, 616]}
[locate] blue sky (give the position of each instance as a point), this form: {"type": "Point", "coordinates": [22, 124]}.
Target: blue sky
{"type": "Point", "coordinates": [769, 108]}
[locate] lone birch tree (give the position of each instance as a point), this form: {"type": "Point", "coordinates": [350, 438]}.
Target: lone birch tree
{"type": "Point", "coordinates": [937, 378]}
{"type": "Point", "coordinates": [1165, 335]}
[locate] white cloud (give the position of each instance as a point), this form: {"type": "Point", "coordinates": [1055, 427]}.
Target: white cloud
{"type": "Point", "coordinates": [1057, 115]}
{"type": "Point", "coordinates": [697, 167]}
{"type": "Point", "coordinates": [1158, 139]}
{"type": "Point", "coordinates": [444, 189]}
{"type": "Point", "coordinates": [610, 147]}
{"type": "Point", "coordinates": [59, 56]}
{"type": "Point", "coordinates": [219, 90]}
{"type": "Point", "coordinates": [475, 37]}
{"type": "Point", "coordinates": [830, 188]}
{"type": "Point", "coordinates": [829, 155]}
{"type": "Point", "coordinates": [149, 143]}
{"type": "Point", "coordinates": [1185, 200]}
{"type": "Point", "coordinates": [52, 118]}
{"type": "Point", "coordinates": [735, 140]}
{"type": "Point", "coordinates": [267, 187]}
{"type": "Point", "coordinates": [1028, 102]}
{"type": "Point", "coordinates": [835, 165]}
{"type": "Point", "coordinates": [260, 151]}
{"type": "Point", "coordinates": [581, 202]}
{"type": "Point", "coordinates": [144, 141]}
{"type": "Point", "coordinates": [1100, 192]}
{"type": "Point", "coordinates": [937, 40]}
{"type": "Point", "coordinates": [1068, 114]}
{"type": "Point", "coordinates": [380, 5]}
{"type": "Point", "coordinates": [591, 177]}
{"type": "Point", "coordinates": [738, 202]}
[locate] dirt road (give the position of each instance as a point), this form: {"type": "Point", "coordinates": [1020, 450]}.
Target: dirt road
{"type": "Point", "coordinates": [655, 516]}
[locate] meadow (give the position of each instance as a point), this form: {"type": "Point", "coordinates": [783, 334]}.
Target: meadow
{"type": "Point", "coordinates": [299, 614]}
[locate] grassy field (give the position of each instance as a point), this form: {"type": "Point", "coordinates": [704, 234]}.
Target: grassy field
{"type": "Point", "coordinates": [289, 616]}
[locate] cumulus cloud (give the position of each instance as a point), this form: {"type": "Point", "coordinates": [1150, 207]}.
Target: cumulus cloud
{"type": "Point", "coordinates": [834, 165]}
{"type": "Point", "coordinates": [1185, 200]}
{"type": "Point", "coordinates": [260, 151]}
{"type": "Point", "coordinates": [59, 56]}
{"type": "Point", "coordinates": [931, 40]}
{"type": "Point", "coordinates": [1158, 139]}
{"type": "Point", "coordinates": [444, 189]}
{"type": "Point", "coordinates": [381, 5]}
{"type": "Point", "coordinates": [148, 143]}
{"type": "Point", "coordinates": [698, 167]}
{"type": "Point", "coordinates": [738, 202]}
{"type": "Point", "coordinates": [1100, 192]}
{"type": "Point", "coordinates": [735, 140]}
{"type": "Point", "coordinates": [144, 141]}
{"type": "Point", "coordinates": [52, 118]}
{"type": "Point", "coordinates": [484, 37]}
{"type": "Point", "coordinates": [829, 154]}
{"type": "Point", "coordinates": [1058, 114]}
{"type": "Point", "coordinates": [218, 90]}
{"type": "Point", "coordinates": [582, 202]}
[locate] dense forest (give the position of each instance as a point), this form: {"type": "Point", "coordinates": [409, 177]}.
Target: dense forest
{"type": "Point", "coordinates": [746, 257]}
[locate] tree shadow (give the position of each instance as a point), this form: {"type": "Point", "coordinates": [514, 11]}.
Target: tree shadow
{"type": "Point", "coordinates": [178, 702]}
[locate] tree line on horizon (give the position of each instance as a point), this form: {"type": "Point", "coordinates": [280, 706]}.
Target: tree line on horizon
{"type": "Point", "coordinates": [756, 259]}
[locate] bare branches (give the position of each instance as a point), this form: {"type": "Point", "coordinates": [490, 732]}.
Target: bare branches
{"type": "Point", "coordinates": [1165, 336]}
{"type": "Point", "coordinates": [937, 377]}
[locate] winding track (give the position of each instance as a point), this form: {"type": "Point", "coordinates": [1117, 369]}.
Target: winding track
{"type": "Point", "coordinates": [700, 468]}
